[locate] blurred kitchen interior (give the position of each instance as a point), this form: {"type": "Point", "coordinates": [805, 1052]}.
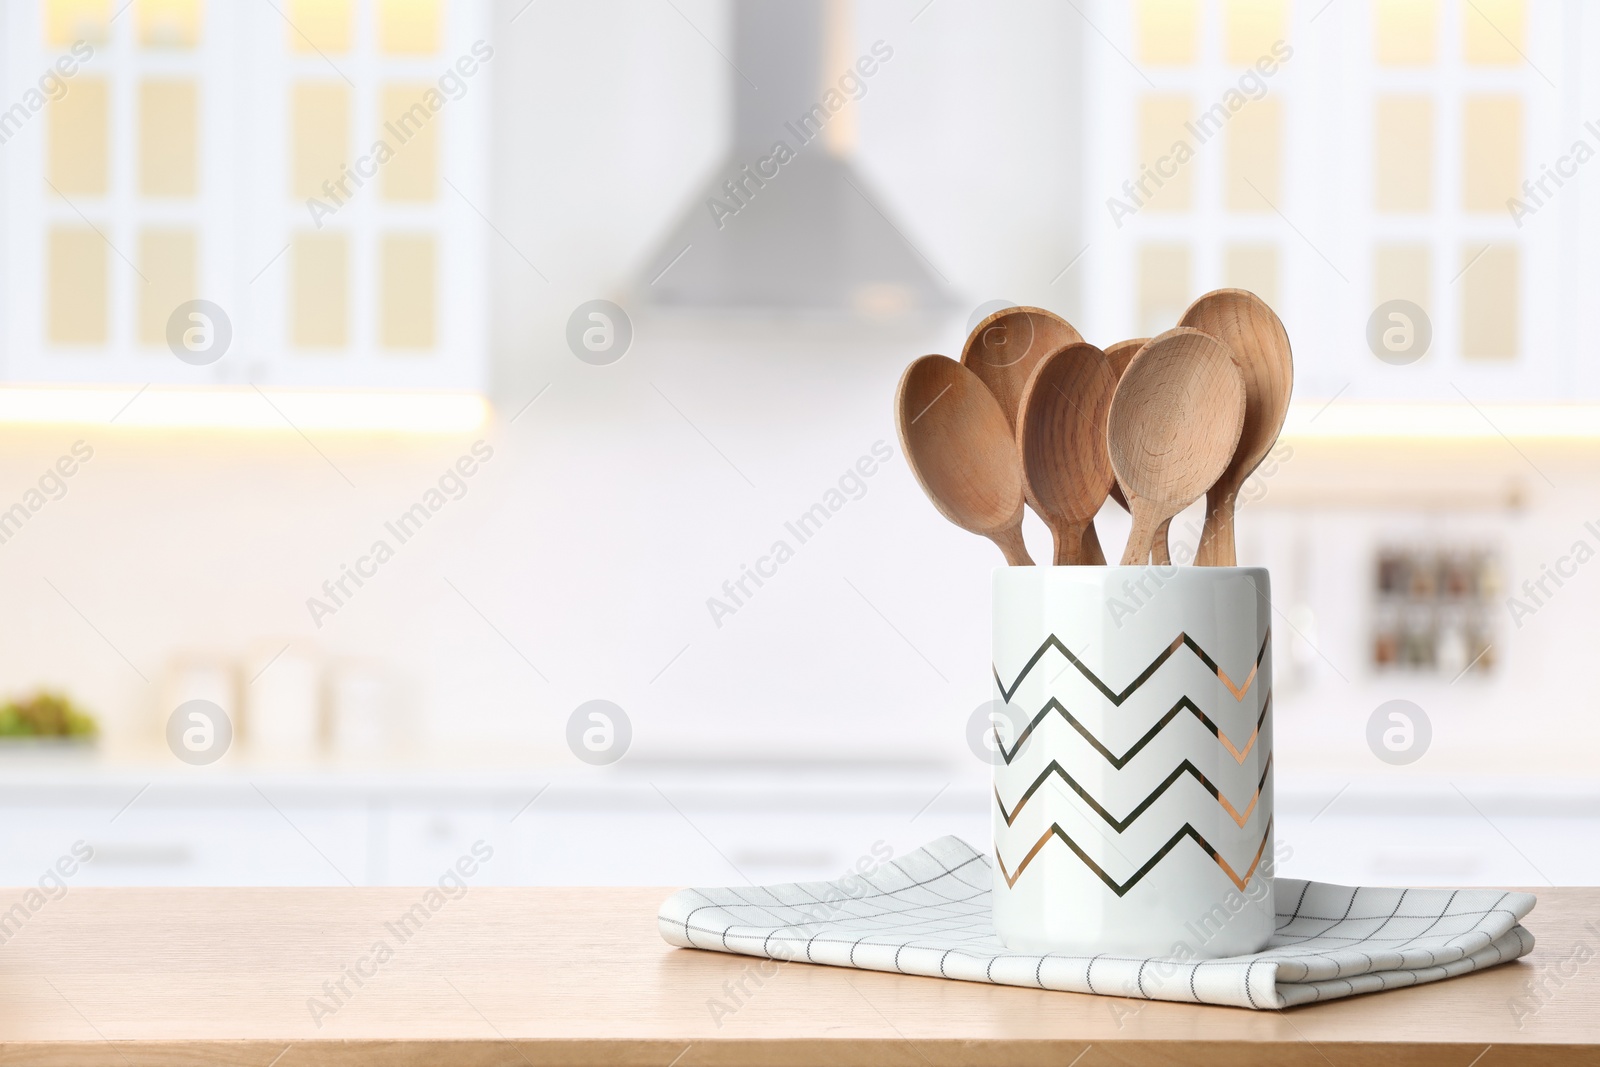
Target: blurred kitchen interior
{"type": "Point", "coordinates": [602, 150]}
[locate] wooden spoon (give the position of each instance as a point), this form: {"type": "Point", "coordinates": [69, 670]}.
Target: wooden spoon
{"type": "Point", "coordinates": [1061, 434]}
{"type": "Point", "coordinates": [962, 451]}
{"type": "Point", "coordinates": [1120, 355]}
{"type": "Point", "coordinates": [1004, 348]}
{"type": "Point", "coordinates": [1175, 422]}
{"type": "Point", "coordinates": [1243, 322]}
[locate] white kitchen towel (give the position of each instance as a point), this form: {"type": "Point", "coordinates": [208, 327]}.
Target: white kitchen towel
{"type": "Point", "coordinates": [927, 913]}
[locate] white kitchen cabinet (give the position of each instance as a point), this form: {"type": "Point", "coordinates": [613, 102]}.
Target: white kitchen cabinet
{"type": "Point", "coordinates": [1467, 832]}
{"type": "Point", "coordinates": [670, 829]}
{"type": "Point", "coordinates": [231, 845]}
{"type": "Point", "coordinates": [180, 160]}
{"type": "Point", "coordinates": [415, 841]}
{"type": "Point", "coordinates": [722, 829]}
{"type": "Point", "coordinates": [183, 835]}
{"type": "Point", "coordinates": [1292, 150]}
{"type": "Point", "coordinates": [686, 833]}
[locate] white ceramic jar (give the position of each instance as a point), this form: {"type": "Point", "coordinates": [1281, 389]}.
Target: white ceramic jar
{"type": "Point", "coordinates": [1133, 796]}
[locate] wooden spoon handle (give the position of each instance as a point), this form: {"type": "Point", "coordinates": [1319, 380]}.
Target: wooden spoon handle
{"type": "Point", "coordinates": [1160, 552]}
{"type": "Point", "coordinates": [1093, 555]}
{"type": "Point", "coordinates": [1012, 545]}
{"type": "Point", "coordinates": [1216, 540]}
{"type": "Point", "coordinates": [1137, 554]}
{"type": "Point", "coordinates": [1068, 540]}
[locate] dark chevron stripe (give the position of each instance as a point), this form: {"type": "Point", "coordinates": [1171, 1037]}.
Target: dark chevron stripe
{"type": "Point", "coordinates": [1122, 824]}
{"type": "Point", "coordinates": [1184, 703]}
{"type": "Point", "coordinates": [1117, 698]}
{"type": "Point", "coordinates": [1122, 889]}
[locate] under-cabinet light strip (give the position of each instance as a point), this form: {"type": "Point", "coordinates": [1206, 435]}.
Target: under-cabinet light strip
{"type": "Point", "coordinates": [243, 408]}
{"type": "Point", "coordinates": [1350, 420]}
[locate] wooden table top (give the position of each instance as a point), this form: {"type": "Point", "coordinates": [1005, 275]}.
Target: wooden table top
{"type": "Point", "coordinates": [128, 977]}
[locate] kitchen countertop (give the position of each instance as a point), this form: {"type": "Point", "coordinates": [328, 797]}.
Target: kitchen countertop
{"type": "Point", "coordinates": [502, 976]}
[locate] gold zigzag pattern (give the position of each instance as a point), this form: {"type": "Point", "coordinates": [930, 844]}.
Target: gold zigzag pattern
{"type": "Point", "coordinates": [1183, 639]}
{"type": "Point", "coordinates": [1183, 704]}
{"type": "Point", "coordinates": [1121, 888]}
{"type": "Point", "coordinates": [1122, 824]}
{"type": "Point", "coordinates": [1117, 699]}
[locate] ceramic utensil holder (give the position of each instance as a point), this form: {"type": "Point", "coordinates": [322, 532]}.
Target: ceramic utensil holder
{"type": "Point", "coordinates": [1133, 783]}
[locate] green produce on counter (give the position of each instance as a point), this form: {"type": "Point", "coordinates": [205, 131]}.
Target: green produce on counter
{"type": "Point", "coordinates": [46, 715]}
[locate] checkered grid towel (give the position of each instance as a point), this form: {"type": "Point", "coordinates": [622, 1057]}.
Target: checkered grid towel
{"type": "Point", "coordinates": [927, 913]}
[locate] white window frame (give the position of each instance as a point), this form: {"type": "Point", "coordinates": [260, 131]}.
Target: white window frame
{"type": "Point", "coordinates": [244, 212]}
{"type": "Point", "coordinates": [1328, 91]}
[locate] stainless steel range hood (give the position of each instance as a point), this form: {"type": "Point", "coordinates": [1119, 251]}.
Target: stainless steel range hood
{"type": "Point", "coordinates": [785, 222]}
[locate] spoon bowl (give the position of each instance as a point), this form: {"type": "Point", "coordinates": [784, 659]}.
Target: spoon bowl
{"type": "Point", "coordinates": [1061, 433]}
{"type": "Point", "coordinates": [1174, 426]}
{"type": "Point", "coordinates": [1119, 356]}
{"type": "Point", "coordinates": [1243, 321]}
{"type": "Point", "coordinates": [962, 451]}
{"type": "Point", "coordinates": [1004, 348]}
